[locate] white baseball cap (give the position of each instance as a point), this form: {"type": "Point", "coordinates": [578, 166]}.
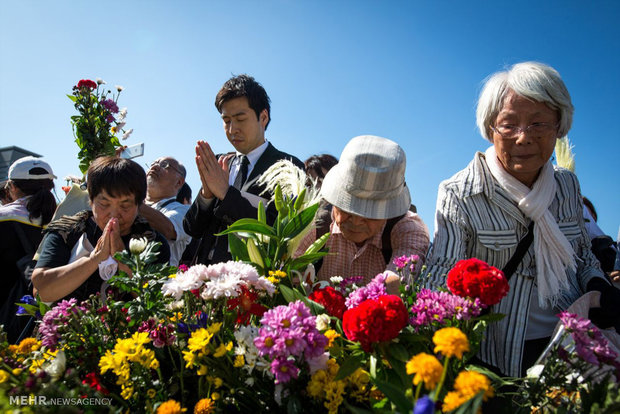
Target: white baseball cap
{"type": "Point", "coordinates": [22, 169]}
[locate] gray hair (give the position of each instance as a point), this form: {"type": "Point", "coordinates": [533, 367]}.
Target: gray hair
{"type": "Point", "coordinates": [532, 80]}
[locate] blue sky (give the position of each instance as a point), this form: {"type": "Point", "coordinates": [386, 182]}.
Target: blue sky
{"type": "Point", "coordinates": [410, 71]}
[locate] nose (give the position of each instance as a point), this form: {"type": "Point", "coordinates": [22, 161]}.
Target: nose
{"type": "Point", "coordinates": [523, 137]}
{"type": "Point", "coordinates": [231, 127]}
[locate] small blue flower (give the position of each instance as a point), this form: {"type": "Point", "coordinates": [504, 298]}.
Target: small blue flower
{"type": "Point", "coordinates": [424, 405]}
{"type": "Point", "coordinates": [27, 299]}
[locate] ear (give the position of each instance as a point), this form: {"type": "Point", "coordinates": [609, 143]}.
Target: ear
{"type": "Point", "coordinates": [263, 118]}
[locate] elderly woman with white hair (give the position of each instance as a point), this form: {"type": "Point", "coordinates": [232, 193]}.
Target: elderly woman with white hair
{"type": "Point", "coordinates": [513, 209]}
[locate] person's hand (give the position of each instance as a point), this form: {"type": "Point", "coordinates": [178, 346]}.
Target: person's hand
{"type": "Point", "coordinates": [116, 243]}
{"type": "Point", "coordinates": [119, 150]}
{"type": "Point", "coordinates": [213, 176]}
{"type": "Point", "coordinates": [102, 248]}
{"type": "Point", "coordinates": [615, 276]}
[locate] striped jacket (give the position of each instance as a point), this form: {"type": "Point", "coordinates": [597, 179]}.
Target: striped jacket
{"type": "Point", "coordinates": [475, 217]}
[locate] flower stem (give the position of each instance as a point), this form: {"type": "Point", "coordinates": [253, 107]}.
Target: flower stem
{"type": "Point", "coordinates": [443, 377]}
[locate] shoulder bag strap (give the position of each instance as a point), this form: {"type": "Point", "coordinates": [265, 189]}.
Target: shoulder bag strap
{"type": "Point", "coordinates": [524, 244]}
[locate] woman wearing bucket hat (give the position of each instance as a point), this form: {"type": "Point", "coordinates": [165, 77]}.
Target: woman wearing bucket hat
{"type": "Point", "coordinates": [29, 185]}
{"type": "Point", "coordinates": [513, 209]}
{"type": "Point", "coordinates": [370, 211]}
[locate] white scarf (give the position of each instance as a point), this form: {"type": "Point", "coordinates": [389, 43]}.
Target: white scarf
{"type": "Point", "coordinates": [553, 252]}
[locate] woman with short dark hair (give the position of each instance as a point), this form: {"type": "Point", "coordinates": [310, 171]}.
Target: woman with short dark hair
{"type": "Point", "coordinates": [77, 248]}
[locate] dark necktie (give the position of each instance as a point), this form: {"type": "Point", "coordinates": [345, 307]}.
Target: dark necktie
{"type": "Point", "coordinates": [242, 174]}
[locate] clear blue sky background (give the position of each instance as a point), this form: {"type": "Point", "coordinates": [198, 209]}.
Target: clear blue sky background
{"type": "Point", "coordinates": [410, 71]}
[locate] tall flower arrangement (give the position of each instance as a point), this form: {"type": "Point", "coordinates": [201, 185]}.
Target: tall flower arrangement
{"type": "Point", "coordinates": [99, 121]}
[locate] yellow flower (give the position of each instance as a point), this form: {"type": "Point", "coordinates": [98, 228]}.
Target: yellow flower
{"type": "Point", "coordinates": [170, 407]}
{"type": "Point", "coordinates": [204, 406]}
{"type": "Point", "coordinates": [222, 349]}
{"type": "Point", "coordinates": [127, 392]}
{"type": "Point", "coordinates": [215, 328]}
{"type": "Point", "coordinates": [451, 342]}
{"type": "Point", "coordinates": [190, 358]}
{"type": "Point", "coordinates": [28, 345]}
{"type": "Point", "coordinates": [426, 368]}
{"type": "Point", "coordinates": [202, 370]}
{"type": "Point", "coordinates": [467, 385]}
{"type": "Point", "coordinates": [276, 276]}
{"type": "Point", "coordinates": [113, 130]}
{"type": "Point", "coordinates": [239, 361]}
{"type": "Point", "coordinates": [331, 336]}
{"type": "Point", "coordinates": [217, 381]}
{"type": "Point", "coordinates": [151, 393]}
{"type": "Point", "coordinates": [17, 371]}
{"type": "Point", "coordinates": [215, 396]}
{"type": "Point", "coordinates": [199, 340]}
{"type": "Point", "coordinates": [470, 383]}
{"type": "Point", "coordinates": [172, 276]}
{"type": "Point", "coordinates": [4, 376]}
{"type": "Point", "coordinates": [452, 401]}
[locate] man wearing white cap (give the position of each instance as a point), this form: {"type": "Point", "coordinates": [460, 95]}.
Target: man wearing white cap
{"type": "Point", "coordinates": [370, 213]}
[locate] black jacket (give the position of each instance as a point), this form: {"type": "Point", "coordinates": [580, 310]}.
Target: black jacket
{"type": "Point", "coordinates": [208, 217]}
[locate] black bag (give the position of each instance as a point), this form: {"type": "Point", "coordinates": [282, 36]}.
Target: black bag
{"type": "Point", "coordinates": [18, 327]}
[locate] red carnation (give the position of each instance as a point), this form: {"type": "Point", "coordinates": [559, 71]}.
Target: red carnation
{"type": "Point", "coordinates": [92, 380]}
{"type": "Point", "coordinates": [375, 320]}
{"type": "Point", "coordinates": [87, 83]}
{"type": "Point", "coordinates": [476, 279]}
{"type": "Point", "coordinates": [331, 299]}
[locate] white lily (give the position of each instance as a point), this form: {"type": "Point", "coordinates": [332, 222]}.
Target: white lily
{"type": "Point", "coordinates": [564, 155]}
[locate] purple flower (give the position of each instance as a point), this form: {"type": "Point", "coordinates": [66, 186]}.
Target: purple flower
{"type": "Point", "coordinates": [288, 335]}
{"type": "Point", "coordinates": [284, 370]}
{"type": "Point", "coordinates": [590, 343]}
{"type": "Point", "coordinates": [57, 317]}
{"type": "Point", "coordinates": [424, 405]}
{"type": "Point", "coordinates": [160, 334]}
{"type": "Point", "coordinates": [373, 290]}
{"type": "Point", "coordinates": [404, 261]}
{"type": "Point", "coordinates": [110, 105]}
{"type": "Point", "coordinates": [431, 306]}
{"type": "Point", "coordinates": [29, 300]}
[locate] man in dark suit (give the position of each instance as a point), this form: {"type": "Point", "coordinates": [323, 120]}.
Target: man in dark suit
{"type": "Point", "coordinates": [229, 182]}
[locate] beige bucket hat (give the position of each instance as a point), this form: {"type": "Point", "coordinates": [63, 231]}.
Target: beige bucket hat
{"type": "Point", "coordinates": [369, 179]}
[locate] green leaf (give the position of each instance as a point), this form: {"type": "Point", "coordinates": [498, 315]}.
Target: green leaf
{"type": "Point", "coordinates": [395, 395]}
{"type": "Point", "coordinates": [300, 222]}
{"type": "Point", "coordinates": [73, 99]}
{"type": "Point", "coordinates": [300, 199]}
{"type": "Point", "coordinates": [249, 225]}
{"type": "Point", "coordinates": [291, 295]}
{"type": "Point", "coordinates": [398, 351]}
{"type": "Point", "coordinates": [318, 244]}
{"type": "Point", "coordinates": [348, 367]}
{"type": "Point", "coordinates": [278, 200]}
{"type": "Point", "coordinates": [262, 216]}
{"type": "Point", "coordinates": [238, 249]}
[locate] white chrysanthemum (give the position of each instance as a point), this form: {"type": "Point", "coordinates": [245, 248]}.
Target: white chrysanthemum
{"type": "Point", "coordinates": [137, 246]}
{"type": "Point", "coordinates": [100, 81]}
{"type": "Point", "coordinates": [175, 305]}
{"type": "Point", "coordinates": [56, 367]}
{"type": "Point", "coordinates": [322, 322]}
{"type": "Point", "coordinates": [318, 363]}
{"type": "Point", "coordinates": [336, 280]}
{"type": "Point", "coordinates": [122, 114]}
{"type": "Point", "coordinates": [224, 286]}
{"type": "Point", "coordinates": [119, 88]}
{"type": "Point", "coordinates": [184, 282]}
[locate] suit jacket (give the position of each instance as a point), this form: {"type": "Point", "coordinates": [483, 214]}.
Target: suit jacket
{"type": "Point", "coordinates": [208, 217]}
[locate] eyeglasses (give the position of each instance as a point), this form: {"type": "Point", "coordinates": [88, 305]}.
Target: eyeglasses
{"type": "Point", "coordinates": [165, 164]}
{"type": "Point", "coordinates": [537, 129]}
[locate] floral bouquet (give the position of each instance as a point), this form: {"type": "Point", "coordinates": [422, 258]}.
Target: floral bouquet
{"type": "Point", "coordinates": [579, 370]}
{"type": "Point", "coordinates": [99, 120]}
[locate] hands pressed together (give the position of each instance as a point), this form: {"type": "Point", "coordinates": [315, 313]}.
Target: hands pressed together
{"type": "Point", "coordinates": [213, 172]}
{"type": "Point", "coordinates": [109, 243]}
